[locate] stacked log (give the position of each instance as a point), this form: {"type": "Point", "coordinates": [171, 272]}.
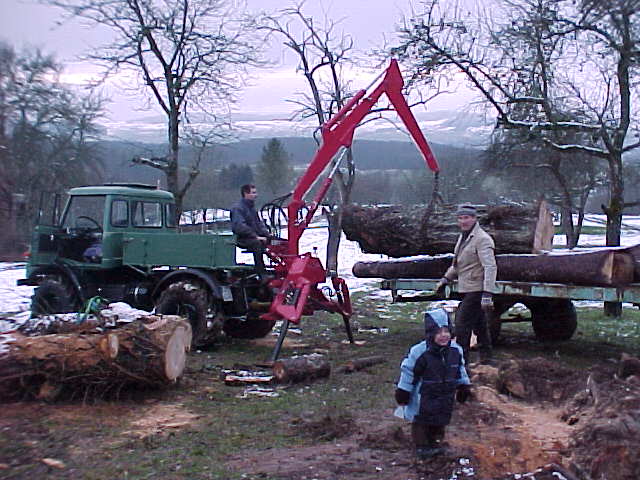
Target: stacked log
{"type": "Point", "coordinates": [401, 231]}
{"type": "Point", "coordinates": [150, 352]}
{"type": "Point", "coordinates": [602, 267]}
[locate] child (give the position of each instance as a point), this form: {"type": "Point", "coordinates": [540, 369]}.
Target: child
{"type": "Point", "coordinates": [431, 375]}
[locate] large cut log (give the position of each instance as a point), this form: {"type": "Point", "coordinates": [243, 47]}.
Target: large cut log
{"type": "Point", "coordinates": [602, 267]}
{"type": "Point", "coordinates": [400, 231]}
{"type": "Point", "coordinates": [150, 352]}
{"type": "Point", "coordinates": [298, 369]}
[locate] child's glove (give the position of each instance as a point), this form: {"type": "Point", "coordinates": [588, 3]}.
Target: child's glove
{"type": "Point", "coordinates": [463, 392]}
{"type": "Point", "coordinates": [402, 396]}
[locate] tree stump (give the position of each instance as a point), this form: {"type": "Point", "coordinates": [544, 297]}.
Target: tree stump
{"type": "Point", "coordinates": [299, 369]}
{"type": "Point", "coordinates": [401, 231]}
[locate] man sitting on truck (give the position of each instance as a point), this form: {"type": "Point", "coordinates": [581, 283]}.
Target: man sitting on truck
{"type": "Point", "coordinates": [251, 232]}
{"type": "Point", "coordinates": [474, 265]}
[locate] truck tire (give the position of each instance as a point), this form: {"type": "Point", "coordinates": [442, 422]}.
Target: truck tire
{"type": "Point", "coordinates": [552, 319]}
{"type": "Point", "coordinates": [53, 296]}
{"type": "Point", "coordinates": [189, 300]}
{"type": "Point", "coordinates": [252, 327]}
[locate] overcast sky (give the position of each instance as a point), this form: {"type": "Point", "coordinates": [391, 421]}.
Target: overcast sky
{"type": "Point", "coordinates": [26, 22]}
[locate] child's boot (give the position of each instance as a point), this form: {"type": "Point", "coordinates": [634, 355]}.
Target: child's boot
{"type": "Point", "coordinates": [419, 437]}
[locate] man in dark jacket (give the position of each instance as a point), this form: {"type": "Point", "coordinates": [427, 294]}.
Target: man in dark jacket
{"type": "Point", "coordinates": [251, 232]}
{"type": "Point", "coordinates": [431, 376]}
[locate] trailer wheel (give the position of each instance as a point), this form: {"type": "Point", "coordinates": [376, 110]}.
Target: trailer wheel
{"type": "Point", "coordinates": [53, 296]}
{"type": "Point", "coordinates": [252, 327]}
{"type": "Point", "coordinates": [553, 319]}
{"type": "Point", "coordinates": [189, 300]}
{"type": "Point", "coordinates": [500, 306]}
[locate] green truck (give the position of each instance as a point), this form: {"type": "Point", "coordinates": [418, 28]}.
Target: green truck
{"type": "Point", "coordinates": [121, 242]}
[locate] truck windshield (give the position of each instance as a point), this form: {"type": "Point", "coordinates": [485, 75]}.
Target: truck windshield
{"type": "Point", "coordinates": [84, 211]}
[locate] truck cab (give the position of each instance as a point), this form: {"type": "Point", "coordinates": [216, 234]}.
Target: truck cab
{"type": "Point", "coordinates": [110, 226]}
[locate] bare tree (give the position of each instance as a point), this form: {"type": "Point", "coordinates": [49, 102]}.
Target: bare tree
{"type": "Point", "coordinates": [545, 66]}
{"type": "Point", "coordinates": [44, 127]}
{"type": "Point", "coordinates": [322, 55]}
{"type": "Point", "coordinates": [565, 179]}
{"type": "Point", "coordinates": [191, 57]}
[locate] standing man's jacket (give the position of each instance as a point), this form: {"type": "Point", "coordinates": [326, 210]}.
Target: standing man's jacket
{"type": "Point", "coordinates": [245, 222]}
{"type": "Point", "coordinates": [474, 262]}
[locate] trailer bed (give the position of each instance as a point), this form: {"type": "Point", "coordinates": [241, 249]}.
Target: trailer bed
{"type": "Point", "coordinates": [629, 293]}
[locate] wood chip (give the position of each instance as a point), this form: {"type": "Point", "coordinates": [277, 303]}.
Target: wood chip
{"type": "Point", "coordinates": [52, 462]}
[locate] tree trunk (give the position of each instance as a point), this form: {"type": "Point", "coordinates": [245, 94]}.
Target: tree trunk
{"type": "Point", "coordinates": [400, 231]}
{"type": "Point", "coordinates": [298, 369]}
{"type": "Point", "coordinates": [151, 354]}
{"type": "Point", "coordinates": [601, 267]}
{"type": "Point", "coordinates": [614, 217]}
{"type": "Point", "coordinates": [334, 220]}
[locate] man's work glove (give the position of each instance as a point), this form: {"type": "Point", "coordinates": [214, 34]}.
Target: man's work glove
{"type": "Point", "coordinates": [402, 396]}
{"type": "Point", "coordinates": [463, 392]}
{"type": "Point", "coordinates": [486, 303]}
{"type": "Point", "coordinates": [444, 281]}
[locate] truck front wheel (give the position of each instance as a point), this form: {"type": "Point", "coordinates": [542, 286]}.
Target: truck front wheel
{"type": "Point", "coordinates": [53, 296]}
{"type": "Point", "coordinates": [553, 319]}
{"type": "Point", "coordinates": [188, 300]}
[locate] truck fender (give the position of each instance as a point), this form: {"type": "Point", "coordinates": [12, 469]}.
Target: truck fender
{"type": "Point", "coordinates": [185, 274]}
{"type": "Point", "coordinates": [62, 270]}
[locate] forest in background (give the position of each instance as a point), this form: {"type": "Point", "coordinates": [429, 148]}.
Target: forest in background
{"type": "Point", "coordinates": [388, 172]}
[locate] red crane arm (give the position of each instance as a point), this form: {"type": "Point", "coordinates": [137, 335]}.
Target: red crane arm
{"type": "Point", "coordinates": [298, 275]}
{"type": "Point", "coordinates": [337, 133]}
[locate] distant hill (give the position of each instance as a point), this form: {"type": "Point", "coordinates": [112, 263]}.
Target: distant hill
{"type": "Point", "coordinates": [369, 155]}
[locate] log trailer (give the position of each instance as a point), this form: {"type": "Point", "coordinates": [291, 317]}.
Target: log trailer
{"type": "Point", "coordinates": [121, 242]}
{"type": "Point", "coordinates": [552, 313]}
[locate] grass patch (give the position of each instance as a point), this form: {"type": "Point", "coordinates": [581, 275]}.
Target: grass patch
{"type": "Point", "coordinates": [598, 338]}
{"type": "Point", "coordinates": [586, 230]}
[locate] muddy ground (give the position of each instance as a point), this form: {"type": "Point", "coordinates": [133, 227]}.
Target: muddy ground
{"type": "Point", "coordinates": [562, 410]}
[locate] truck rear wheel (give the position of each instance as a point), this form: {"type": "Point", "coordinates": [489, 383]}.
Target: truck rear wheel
{"type": "Point", "coordinates": [553, 319]}
{"type": "Point", "coordinates": [188, 300]}
{"type": "Point", "coordinates": [252, 327]}
{"type": "Point", "coordinates": [53, 296]}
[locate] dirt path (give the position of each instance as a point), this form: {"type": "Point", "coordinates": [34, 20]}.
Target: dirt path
{"type": "Point", "coordinates": [487, 439]}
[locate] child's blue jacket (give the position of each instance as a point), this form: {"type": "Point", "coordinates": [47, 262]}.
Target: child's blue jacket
{"type": "Point", "coordinates": [406, 381]}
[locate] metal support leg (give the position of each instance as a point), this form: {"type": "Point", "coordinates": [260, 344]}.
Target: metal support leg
{"type": "Point", "coordinates": [347, 326]}
{"type": "Point", "coordinates": [283, 333]}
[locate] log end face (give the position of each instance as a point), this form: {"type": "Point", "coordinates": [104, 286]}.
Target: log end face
{"type": "Point", "coordinates": [280, 372]}
{"type": "Point", "coordinates": [175, 357]}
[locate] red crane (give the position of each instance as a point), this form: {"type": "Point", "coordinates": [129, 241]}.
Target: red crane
{"type": "Point", "coordinates": [298, 275]}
